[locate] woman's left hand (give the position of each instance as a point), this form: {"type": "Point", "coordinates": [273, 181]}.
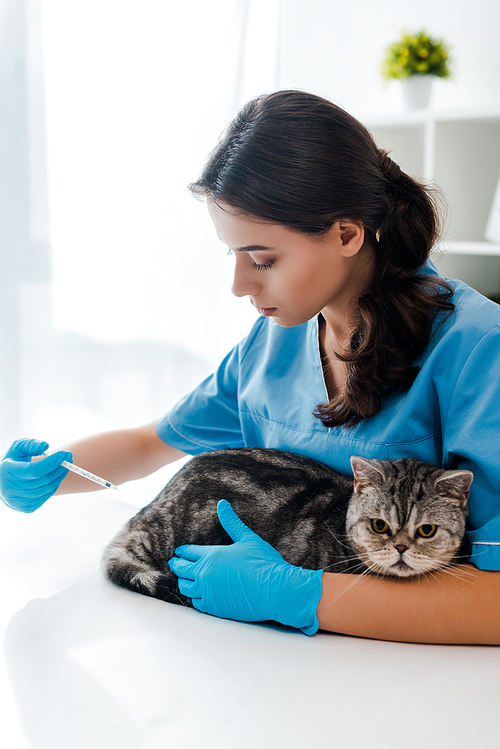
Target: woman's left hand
{"type": "Point", "coordinates": [248, 580]}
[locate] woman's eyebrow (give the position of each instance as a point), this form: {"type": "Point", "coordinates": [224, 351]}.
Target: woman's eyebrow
{"type": "Point", "coordinates": [253, 248]}
{"type": "Point", "coordinates": [248, 248]}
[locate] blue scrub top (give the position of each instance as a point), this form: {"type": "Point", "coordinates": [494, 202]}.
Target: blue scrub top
{"type": "Point", "coordinates": [265, 391]}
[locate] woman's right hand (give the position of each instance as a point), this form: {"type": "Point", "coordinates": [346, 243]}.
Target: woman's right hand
{"type": "Point", "coordinates": [26, 485]}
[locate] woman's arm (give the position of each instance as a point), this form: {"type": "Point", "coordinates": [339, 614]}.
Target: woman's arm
{"type": "Point", "coordinates": [458, 605]}
{"type": "Point", "coordinates": [118, 456]}
{"type": "Point", "coordinates": [250, 581]}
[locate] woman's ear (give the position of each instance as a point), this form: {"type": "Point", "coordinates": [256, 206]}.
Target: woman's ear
{"type": "Point", "coordinates": [352, 237]}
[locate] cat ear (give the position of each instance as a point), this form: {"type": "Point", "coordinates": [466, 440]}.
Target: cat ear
{"type": "Point", "coordinates": [455, 485]}
{"type": "Point", "coordinates": [366, 472]}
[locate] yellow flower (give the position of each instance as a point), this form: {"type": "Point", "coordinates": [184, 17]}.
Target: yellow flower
{"type": "Point", "coordinates": [416, 54]}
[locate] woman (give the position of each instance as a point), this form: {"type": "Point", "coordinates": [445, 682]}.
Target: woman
{"type": "Point", "coordinates": [361, 348]}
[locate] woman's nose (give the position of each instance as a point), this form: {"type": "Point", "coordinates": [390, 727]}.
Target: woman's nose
{"type": "Point", "coordinates": [243, 283]}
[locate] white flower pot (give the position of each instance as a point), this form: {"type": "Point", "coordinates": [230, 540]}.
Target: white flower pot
{"type": "Point", "coordinates": [416, 91]}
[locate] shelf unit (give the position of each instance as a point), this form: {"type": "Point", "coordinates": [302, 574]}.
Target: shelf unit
{"type": "Point", "coordinates": [460, 152]}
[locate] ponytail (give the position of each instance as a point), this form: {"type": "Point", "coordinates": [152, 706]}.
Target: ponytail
{"type": "Point", "coordinates": [396, 314]}
{"type": "Point", "coordinates": [300, 161]}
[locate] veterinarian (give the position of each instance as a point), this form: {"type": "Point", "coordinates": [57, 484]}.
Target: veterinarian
{"type": "Point", "coordinates": [361, 348]}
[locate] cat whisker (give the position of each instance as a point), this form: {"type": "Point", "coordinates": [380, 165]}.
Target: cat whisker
{"type": "Point", "coordinates": [460, 574]}
{"type": "Point", "coordinates": [349, 557]}
{"type": "Point", "coordinates": [457, 567]}
{"type": "Point", "coordinates": [356, 581]}
{"type": "Point", "coordinates": [337, 538]}
{"type": "Point", "coordinates": [426, 575]}
{"type": "Point", "coordinates": [342, 561]}
{"type": "Point", "coordinates": [458, 557]}
{"type": "Point", "coordinates": [453, 571]}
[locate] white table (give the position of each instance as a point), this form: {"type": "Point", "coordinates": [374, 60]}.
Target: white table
{"type": "Point", "coordinates": [88, 665]}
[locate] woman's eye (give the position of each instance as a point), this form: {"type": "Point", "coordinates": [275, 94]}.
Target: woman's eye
{"type": "Point", "coordinates": [263, 266]}
{"type": "Point", "coordinates": [379, 525]}
{"type": "Point", "coordinates": [427, 530]}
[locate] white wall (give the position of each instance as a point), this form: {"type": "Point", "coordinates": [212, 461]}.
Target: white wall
{"type": "Point", "coordinates": [335, 48]}
{"type": "Point", "coordinates": [136, 95]}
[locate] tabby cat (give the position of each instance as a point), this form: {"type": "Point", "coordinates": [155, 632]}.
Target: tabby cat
{"type": "Point", "coordinates": [399, 518]}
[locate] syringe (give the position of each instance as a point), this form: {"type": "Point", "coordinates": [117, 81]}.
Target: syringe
{"type": "Point", "coordinates": [87, 474]}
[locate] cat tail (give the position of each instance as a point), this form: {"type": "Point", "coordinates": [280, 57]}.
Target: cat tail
{"type": "Point", "coordinates": [121, 566]}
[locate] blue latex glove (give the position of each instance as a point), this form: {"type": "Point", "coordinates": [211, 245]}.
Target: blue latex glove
{"type": "Point", "coordinates": [24, 485]}
{"type": "Point", "coordinates": [248, 581]}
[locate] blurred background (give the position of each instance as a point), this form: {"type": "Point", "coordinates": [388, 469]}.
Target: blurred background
{"type": "Point", "coordinates": [114, 289]}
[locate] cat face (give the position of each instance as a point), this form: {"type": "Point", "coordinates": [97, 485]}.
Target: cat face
{"type": "Point", "coordinates": [406, 517]}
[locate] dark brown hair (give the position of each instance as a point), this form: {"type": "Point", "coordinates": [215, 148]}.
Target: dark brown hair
{"type": "Point", "coordinates": [295, 159]}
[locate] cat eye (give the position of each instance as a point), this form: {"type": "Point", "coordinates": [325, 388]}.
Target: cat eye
{"type": "Point", "coordinates": [379, 525]}
{"type": "Point", "coordinates": [427, 530]}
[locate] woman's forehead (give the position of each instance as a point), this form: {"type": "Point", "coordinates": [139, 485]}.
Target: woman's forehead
{"type": "Point", "coordinates": [241, 232]}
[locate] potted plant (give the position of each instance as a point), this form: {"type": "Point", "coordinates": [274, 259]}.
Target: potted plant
{"type": "Point", "coordinates": [415, 60]}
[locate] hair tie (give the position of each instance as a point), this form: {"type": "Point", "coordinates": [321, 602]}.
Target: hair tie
{"type": "Point", "coordinates": [389, 168]}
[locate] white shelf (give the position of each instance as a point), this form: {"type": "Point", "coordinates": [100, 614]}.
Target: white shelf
{"type": "Point", "coordinates": [459, 151]}
{"type": "Point", "coordinates": [469, 248]}
{"type": "Point", "coordinates": [426, 116]}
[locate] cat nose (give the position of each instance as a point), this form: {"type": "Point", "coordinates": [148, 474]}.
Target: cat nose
{"type": "Point", "coordinates": [401, 548]}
